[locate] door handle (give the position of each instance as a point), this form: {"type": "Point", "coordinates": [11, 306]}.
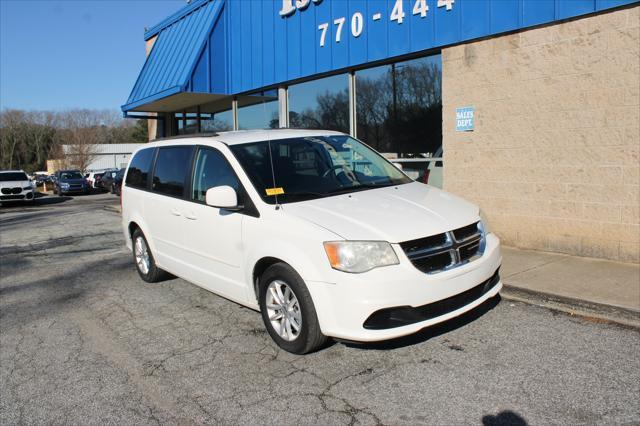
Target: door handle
{"type": "Point", "coordinates": [191, 216]}
{"type": "Point", "coordinates": [175, 212]}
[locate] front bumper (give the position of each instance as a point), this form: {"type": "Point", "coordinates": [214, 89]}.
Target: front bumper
{"type": "Point", "coordinates": [74, 190]}
{"type": "Point", "coordinates": [24, 195]}
{"type": "Point", "coordinates": [406, 299]}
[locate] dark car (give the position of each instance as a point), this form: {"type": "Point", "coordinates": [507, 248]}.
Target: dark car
{"type": "Point", "coordinates": [116, 185]}
{"type": "Point", "coordinates": [70, 181]}
{"type": "Point", "coordinates": [107, 179]}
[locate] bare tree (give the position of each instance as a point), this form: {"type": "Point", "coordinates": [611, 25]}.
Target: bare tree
{"type": "Point", "coordinates": [80, 136]}
{"type": "Point", "coordinates": [12, 125]}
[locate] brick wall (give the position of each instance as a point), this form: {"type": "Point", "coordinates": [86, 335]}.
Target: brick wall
{"type": "Point", "coordinates": [554, 158]}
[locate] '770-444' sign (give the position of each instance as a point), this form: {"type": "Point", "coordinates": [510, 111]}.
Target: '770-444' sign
{"type": "Point", "coordinates": [420, 8]}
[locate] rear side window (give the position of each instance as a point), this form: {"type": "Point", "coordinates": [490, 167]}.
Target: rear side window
{"type": "Point", "coordinates": [171, 170]}
{"type": "Point", "coordinates": [138, 175]}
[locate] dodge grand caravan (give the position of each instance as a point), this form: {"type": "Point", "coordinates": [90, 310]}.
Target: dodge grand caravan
{"type": "Point", "coordinates": [314, 229]}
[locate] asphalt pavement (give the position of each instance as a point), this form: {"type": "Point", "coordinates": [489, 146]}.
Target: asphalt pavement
{"type": "Point", "coordinates": [83, 341]}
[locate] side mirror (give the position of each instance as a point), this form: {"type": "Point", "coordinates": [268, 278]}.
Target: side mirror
{"type": "Point", "coordinates": [223, 197]}
{"type": "Point", "coordinates": [398, 166]}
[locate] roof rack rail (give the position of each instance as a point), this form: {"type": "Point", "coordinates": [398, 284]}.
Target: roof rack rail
{"type": "Point", "coordinates": [193, 135]}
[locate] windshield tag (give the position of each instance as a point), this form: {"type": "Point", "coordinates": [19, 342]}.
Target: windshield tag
{"type": "Point", "coordinates": [274, 191]}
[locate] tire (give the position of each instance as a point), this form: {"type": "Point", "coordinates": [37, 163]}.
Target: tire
{"type": "Point", "coordinates": [152, 274]}
{"type": "Point", "coordinates": [309, 337]}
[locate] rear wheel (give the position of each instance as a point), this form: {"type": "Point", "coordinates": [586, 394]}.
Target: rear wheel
{"type": "Point", "coordinates": [287, 310]}
{"type": "Point", "coordinates": [145, 263]}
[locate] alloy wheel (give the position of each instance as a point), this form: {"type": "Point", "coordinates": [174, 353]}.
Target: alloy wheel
{"type": "Point", "coordinates": [283, 310]}
{"type": "Point", "coordinates": [142, 255]}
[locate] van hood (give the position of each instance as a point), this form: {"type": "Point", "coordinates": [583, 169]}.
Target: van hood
{"type": "Point", "coordinates": [15, 184]}
{"type": "Point", "coordinates": [394, 214]}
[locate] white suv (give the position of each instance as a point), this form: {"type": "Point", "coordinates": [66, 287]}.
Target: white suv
{"type": "Point", "coordinates": [313, 228]}
{"type": "Point", "coordinates": [15, 185]}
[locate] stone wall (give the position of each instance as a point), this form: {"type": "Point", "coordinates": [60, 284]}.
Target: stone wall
{"type": "Point", "coordinates": [554, 157]}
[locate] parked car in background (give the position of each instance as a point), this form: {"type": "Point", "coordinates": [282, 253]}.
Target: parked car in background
{"type": "Point", "coordinates": [107, 179]}
{"type": "Point", "coordinates": [433, 175]}
{"type": "Point", "coordinates": [94, 179]}
{"type": "Point", "coordinates": [43, 178]}
{"type": "Point", "coordinates": [116, 185]}
{"type": "Point", "coordinates": [70, 181]}
{"type": "Point", "coordinates": [317, 231]}
{"type": "Point", "coordinates": [15, 185]}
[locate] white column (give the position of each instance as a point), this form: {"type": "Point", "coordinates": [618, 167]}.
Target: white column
{"type": "Point", "coordinates": [234, 113]}
{"type": "Point", "coordinates": [283, 106]}
{"type": "Point", "coordinates": [353, 128]}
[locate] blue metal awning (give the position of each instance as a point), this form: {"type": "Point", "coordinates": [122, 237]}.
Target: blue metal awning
{"type": "Point", "coordinates": [182, 41]}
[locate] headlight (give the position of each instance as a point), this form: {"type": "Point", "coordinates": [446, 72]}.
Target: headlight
{"type": "Point", "coordinates": [484, 223]}
{"type": "Point", "coordinates": [26, 188]}
{"type": "Point", "coordinates": [64, 185]}
{"type": "Point", "coordinates": [359, 256]}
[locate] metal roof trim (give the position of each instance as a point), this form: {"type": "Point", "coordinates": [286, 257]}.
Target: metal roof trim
{"type": "Point", "coordinates": [164, 94]}
{"type": "Point", "coordinates": [158, 79]}
{"type": "Point", "coordinates": [156, 29]}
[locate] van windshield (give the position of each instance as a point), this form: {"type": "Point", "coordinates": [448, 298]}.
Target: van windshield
{"type": "Point", "coordinates": [12, 176]}
{"type": "Point", "coordinates": [70, 175]}
{"type": "Point", "coordinates": [306, 168]}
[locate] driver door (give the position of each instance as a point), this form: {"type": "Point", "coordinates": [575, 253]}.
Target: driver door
{"type": "Point", "coordinates": [213, 236]}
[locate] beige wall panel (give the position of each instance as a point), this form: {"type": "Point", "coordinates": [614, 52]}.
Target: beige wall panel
{"type": "Point", "coordinates": [554, 159]}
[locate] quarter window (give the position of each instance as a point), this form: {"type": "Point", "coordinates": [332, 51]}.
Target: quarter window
{"type": "Point", "coordinates": [171, 170]}
{"type": "Point", "coordinates": [138, 174]}
{"type": "Point", "coordinates": [211, 169]}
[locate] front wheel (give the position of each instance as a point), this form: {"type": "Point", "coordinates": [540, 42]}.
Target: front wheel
{"type": "Point", "coordinates": [287, 310]}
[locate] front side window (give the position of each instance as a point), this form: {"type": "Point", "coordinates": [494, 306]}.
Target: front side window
{"type": "Point", "coordinates": [211, 170]}
{"type": "Point", "coordinates": [138, 175]}
{"type": "Point", "coordinates": [314, 167]}
{"type": "Point", "coordinates": [171, 170]}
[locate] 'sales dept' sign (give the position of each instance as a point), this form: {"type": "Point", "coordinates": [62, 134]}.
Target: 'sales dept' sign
{"type": "Point", "coordinates": [420, 9]}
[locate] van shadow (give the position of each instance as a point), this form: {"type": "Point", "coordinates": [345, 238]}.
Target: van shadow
{"type": "Point", "coordinates": [44, 200]}
{"type": "Point", "coordinates": [504, 418]}
{"type": "Point", "coordinates": [432, 331]}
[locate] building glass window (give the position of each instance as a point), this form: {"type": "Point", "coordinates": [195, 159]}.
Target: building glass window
{"type": "Point", "coordinates": [221, 121]}
{"type": "Point", "coordinates": [258, 110]}
{"type": "Point", "coordinates": [399, 107]}
{"type": "Point", "coordinates": [320, 104]}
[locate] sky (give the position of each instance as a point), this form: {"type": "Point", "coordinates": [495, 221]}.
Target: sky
{"type": "Point", "coordinates": [57, 55]}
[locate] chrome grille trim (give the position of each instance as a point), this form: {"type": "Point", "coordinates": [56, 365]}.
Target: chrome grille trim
{"type": "Point", "coordinates": [465, 248]}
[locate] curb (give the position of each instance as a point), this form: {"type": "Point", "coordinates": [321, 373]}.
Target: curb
{"type": "Point", "coordinates": [591, 311]}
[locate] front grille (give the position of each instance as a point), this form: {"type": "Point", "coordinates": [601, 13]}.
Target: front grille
{"type": "Point", "coordinates": [405, 315]}
{"type": "Point", "coordinates": [440, 252]}
{"type": "Point", "coordinates": [15, 190]}
{"type": "Point", "coordinates": [11, 197]}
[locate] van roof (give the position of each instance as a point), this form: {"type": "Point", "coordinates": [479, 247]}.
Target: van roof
{"type": "Point", "coordinates": [243, 136]}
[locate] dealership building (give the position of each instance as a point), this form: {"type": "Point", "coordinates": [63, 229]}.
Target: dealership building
{"type": "Point", "coordinates": [530, 108]}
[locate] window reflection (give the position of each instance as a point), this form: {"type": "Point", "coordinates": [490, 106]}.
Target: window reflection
{"type": "Point", "coordinates": [399, 107]}
{"type": "Point", "coordinates": [258, 110]}
{"type": "Point", "coordinates": [320, 104]}
{"type": "Point", "coordinates": [221, 121]}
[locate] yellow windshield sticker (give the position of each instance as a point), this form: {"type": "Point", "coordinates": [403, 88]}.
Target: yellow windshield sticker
{"type": "Point", "coordinates": [274, 191]}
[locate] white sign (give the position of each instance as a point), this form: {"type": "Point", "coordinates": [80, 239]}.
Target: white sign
{"type": "Point", "coordinates": [420, 8]}
{"type": "Point", "coordinates": [289, 7]}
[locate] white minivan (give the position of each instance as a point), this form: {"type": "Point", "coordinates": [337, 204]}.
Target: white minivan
{"type": "Point", "coordinates": [314, 229]}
